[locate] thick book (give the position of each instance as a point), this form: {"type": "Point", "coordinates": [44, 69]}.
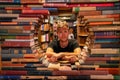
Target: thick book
{"type": "Point", "coordinates": [24, 77]}
{"type": "Point", "coordinates": [17, 23]}
{"type": "Point", "coordinates": [54, 5]}
{"type": "Point", "coordinates": [103, 16]}
{"type": "Point", "coordinates": [102, 77]}
{"type": "Point", "coordinates": [13, 77]}
{"type": "Point", "coordinates": [108, 8]}
{"type": "Point", "coordinates": [18, 44]}
{"type": "Point", "coordinates": [107, 37]}
{"type": "Point", "coordinates": [105, 51]}
{"type": "Point", "coordinates": [104, 12]}
{"type": "Point", "coordinates": [77, 73]}
{"type": "Point", "coordinates": [25, 60]}
{"type": "Point", "coordinates": [12, 65]}
{"type": "Point", "coordinates": [43, 73]}
{"type": "Point", "coordinates": [85, 13]}
{"type": "Point", "coordinates": [100, 23]}
{"type": "Point", "coordinates": [11, 72]}
{"type": "Point", "coordinates": [104, 28]}
{"type": "Point", "coordinates": [113, 71]}
{"type": "Point", "coordinates": [77, 9]}
{"type": "Point", "coordinates": [31, 1]}
{"type": "Point", "coordinates": [35, 12]}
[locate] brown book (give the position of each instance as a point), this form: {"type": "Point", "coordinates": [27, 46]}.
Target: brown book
{"type": "Point", "coordinates": [93, 72]}
{"type": "Point", "coordinates": [103, 16]}
{"type": "Point", "coordinates": [13, 65]}
{"type": "Point", "coordinates": [85, 13]}
{"type": "Point", "coordinates": [77, 73]}
{"type": "Point", "coordinates": [66, 73]}
{"type": "Point", "coordinates": [100, 19]}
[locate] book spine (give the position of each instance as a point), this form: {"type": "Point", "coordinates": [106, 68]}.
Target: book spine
{"type": "Point", "coordinates": [85, 13]}
{"type": "Point", "coordinates": [4, 77]}
{"type": "Point", "coordinates": [10, 72]}
{"type": "Point", "coordinates": [107, 45]}
{"type": "Point", "coordinates": [17, 44]}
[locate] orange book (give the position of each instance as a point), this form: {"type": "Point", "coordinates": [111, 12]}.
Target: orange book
{"type": "Point", "coordinates": [24, 60]}
{"type": "Point", "coordinates": [8, 23]}
{"type": "Point", "coordinates": [100, 23]}
{"type": "Point", "coordinates": [89, 13]}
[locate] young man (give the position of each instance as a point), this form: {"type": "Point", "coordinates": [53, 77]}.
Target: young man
{"type": "Point", "coordinates": [63, 48]}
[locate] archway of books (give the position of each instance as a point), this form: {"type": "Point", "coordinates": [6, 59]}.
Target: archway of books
{"type": "Point", "coordinates": [26, 30]}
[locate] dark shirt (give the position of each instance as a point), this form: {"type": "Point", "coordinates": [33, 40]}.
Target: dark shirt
{"type": "Point", "coordinates": [72, 44]}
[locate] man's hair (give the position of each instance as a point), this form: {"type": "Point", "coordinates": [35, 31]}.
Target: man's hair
{"type": "Point", "coordinates": [62, 25]}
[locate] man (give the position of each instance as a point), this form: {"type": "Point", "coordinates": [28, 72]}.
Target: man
{"type": "Point", "coordinates": [63, 48]}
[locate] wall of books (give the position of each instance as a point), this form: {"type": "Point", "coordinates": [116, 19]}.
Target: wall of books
{"type": "Point", "coordinates": [21, 20]}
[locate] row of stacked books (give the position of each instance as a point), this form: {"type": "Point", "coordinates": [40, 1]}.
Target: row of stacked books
{"type": "Point", "coordinates": [19, 25]}
{"type": "Point", "coordinates": [104, 24]}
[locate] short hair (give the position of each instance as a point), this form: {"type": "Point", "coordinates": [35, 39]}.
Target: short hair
{"type": "Point", "coordinates": [62, 25]}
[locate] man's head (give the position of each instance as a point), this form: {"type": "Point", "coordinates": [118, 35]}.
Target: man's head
{"type": "Point", "coordinates": [63, 32]}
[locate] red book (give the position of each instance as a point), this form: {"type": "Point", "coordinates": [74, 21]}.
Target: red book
{"type": "Point", "coordinates": [111, 36]}
{"type": "Point", "coordinates": [25, 37]}
{"type": "Point", "coordinates": [114, 71]}
{"type": "Point", "coordinates": [90, 4]}
{"type": "Point", "coordinates": [17, 44]}
{"type": "Point", "coordinates": [97, 58]}
{"type": "Point", "coordinates": [11, 72]}
{"type": "Point", "coordinates": [35, 12]}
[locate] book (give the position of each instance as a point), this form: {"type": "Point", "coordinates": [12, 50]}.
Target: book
{"type": "Point", "coordinates": [102, 77]}
{"type": "Point", "coordinates": [105, 51]}
{"type": "Point", "coordinates": [11, 72]}
{"type": "Point", "coordinates": [85, 13]}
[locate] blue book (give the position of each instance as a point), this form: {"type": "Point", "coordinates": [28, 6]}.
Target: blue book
{"type": "Point", "coordinates": [5, 77]}
{"type": "Point", "coordinates": [16, 1]}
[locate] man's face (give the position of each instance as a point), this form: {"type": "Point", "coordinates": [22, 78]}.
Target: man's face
{"type": "Point", "coordinates": [63, 34]}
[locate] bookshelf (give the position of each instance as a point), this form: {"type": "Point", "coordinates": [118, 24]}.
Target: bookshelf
{"type": "Point", "coordinates": [44, 35]}
{"type": "Point", "coordinates": [82, 30]}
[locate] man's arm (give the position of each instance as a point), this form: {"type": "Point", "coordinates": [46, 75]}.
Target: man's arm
{"type": "Point", "coordinates": [50, 52]}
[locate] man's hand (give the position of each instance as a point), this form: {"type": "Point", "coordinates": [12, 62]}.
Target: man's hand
{"type": "Point", "coordinates": [73, 59]}
{"type": "Point", "coordinates": [52, 59]}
